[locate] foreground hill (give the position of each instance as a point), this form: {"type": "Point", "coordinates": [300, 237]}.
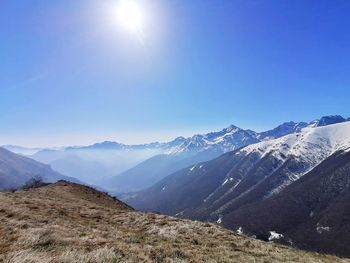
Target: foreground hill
{"type": "Point", "coordinates": [66, 222]}
{"type": "Point", "coordinates": [15, 170]}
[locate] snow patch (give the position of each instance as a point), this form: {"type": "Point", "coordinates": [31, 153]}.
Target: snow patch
{"type": "Point", "coordinates": [322, 229]}
{"type": "Point", "coordinates": [239, 231]}
{"type": "Point", "coordinates": [227, 180]}
{"type": "Point", "coordinates": [274, 235]}
{"type": "Point", "coordinates": [219, 221]}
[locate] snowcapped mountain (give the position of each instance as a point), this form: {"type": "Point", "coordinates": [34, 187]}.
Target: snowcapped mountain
{"type": "Point", "coordinates": [328, 120]}
{"type": "Point", "coordinates": [212, 189]}
{"type": "Point", "coordinates": [309, 147]}
{"type": "Point", "coordinates": [195, 149]}
{"type": "Point", "coordinates": [228, 139]}
{"type": "Point", "coordinates": [283, 129]}
{"type": "Point", "coordinates": [110, 145]}
{"type": "Point", "coordinates": [232, 137]}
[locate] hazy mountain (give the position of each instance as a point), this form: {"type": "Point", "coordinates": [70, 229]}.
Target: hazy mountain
{"type": "Point", "coordinates": [96, 163]}
{"type": "Point", "coordinates": [21, 150]}
{"type": "Point", "coordinates": [15, 170]}
{"type": "Point", "coordinates": [312, 213]}
{"type": "Point", "coordinates": [211, 190]}
{"type": "Point", "coordinates": [66, 222]}
{"type": "Point", "coordinates": [193, 150]}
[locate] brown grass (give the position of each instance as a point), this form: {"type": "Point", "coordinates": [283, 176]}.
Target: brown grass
{"type": "Point", "coordinates": [69, 223]}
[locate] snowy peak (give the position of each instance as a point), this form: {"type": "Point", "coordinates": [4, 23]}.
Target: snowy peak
{"type": "Point", "coordinates": [228, 139]}
{"type": "Point", "coordinates": [233, 137]}
{"type": "Point", "coordinates": [328, 120]}
{"type": "Point", "coordinates": [311, 144]}
{"type": "Point", "coordinates": [282, 130]}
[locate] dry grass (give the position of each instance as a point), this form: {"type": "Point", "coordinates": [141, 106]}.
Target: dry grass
{"type": "Point", "coordinates": [68, 223]}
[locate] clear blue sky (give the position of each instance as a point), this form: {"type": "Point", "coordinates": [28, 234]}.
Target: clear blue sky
{"type": "Point", "coordinates": [71, 75]}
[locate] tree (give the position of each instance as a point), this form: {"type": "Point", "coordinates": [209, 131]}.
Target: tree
{"type": "Point", "coordinates": [34, 182]}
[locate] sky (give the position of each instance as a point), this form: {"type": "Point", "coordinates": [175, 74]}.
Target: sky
{"type": "Point", "coordinates": [71, 74]}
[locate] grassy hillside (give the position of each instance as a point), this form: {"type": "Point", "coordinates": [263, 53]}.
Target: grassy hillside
{"type": "Point", "coordinates": [66, 222]}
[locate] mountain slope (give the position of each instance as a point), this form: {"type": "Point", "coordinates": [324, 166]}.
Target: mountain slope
{"type": "Point", "coordinates": [210, 190]}
{"type": "Point", "coordinates": [312, 213]}
{"type": "Point", "coordinates": [15, 170]}
{"type": "Point", "coordinates": [69, 223]}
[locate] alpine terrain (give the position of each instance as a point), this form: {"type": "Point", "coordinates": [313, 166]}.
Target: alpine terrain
{"type": "Point", "coordinates": [214, 190]}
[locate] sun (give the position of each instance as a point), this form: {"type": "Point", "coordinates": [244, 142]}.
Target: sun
{"type": "Point", "coordinates": [130, 15]}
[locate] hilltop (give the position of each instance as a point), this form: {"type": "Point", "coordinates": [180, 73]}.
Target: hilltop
{"type": "Point", "coordinates": [66, 222]}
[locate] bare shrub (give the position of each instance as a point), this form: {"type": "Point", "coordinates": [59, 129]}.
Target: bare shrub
{"type": "Point", "coordinates": [34, 182]}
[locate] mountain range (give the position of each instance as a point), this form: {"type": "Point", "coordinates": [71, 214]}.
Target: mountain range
{"type": "Point", "coordinates": [219, 189]}
{"type": "Point", "coordinates": [200, 148]}
{"type": "Point", "coordinates": [121, 168]}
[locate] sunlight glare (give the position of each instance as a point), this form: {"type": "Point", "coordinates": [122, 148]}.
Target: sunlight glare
{"type": "Point", "coordinates": [130, 15]}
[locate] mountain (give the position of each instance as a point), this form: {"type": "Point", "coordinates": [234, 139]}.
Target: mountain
{"type": "Point", "coordinates": [312, 213]}
{"type": "Point", "coordinates": [21, 150]}
{"type": "Point", "coordinates": [328, 120]}
{"type": "Point", "coordinates": [213, 189]}
{"type": "Point", "coordinates": [228, 139]}
{"type": "Point", "coordinates": [200, 148]}
{"type": "Point", "coordinates": [152, 170]}
{"type": "Point", "coordinates": [192, 150]}
{"type": "Point", "coordinates": [282, 130]}
{"type": "Point", "coordinates": [16, 170]}
{"type": "Point", "coordinates": [95, 163]}
{"type": "Point", "coordinates": [66, 222]}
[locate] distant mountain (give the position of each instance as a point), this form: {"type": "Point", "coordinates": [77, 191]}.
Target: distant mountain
{"type": "Point", "coordinates": [213, 189]}
{"type": "Point", "coordinates": [200, 148]}
{"type": "Point", "coordinates": [21, 150]}
{"type": "Point", "coordinates": [228, 139]}
{"type": "Point", "coordinates": [282, 130]}
{"type": "Point", "coordinates": [15, 170]}
{"type": "Point", "coordinates": [95, 163]}
{"type": "Point", "coordinates": [312, 213]}
{"type": "Point", "coordinates": [192, 150]}
{"type": "Point", "coordinates": [328, 120]}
